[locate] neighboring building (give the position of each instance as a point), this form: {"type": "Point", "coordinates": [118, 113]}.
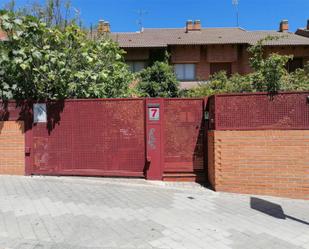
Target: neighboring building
{"type": "Point", "coordinates": [2, 35]}
{"type": "Point", "coordinates": [197, 52]}
{"type": "Point", "coordinates": [304, 31]}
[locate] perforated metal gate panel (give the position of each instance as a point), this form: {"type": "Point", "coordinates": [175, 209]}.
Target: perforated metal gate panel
{"type": "Point", "coordinates": [184, 134]}
{"type": "Point", "coordinates": [91, 137]}
{"type": "Point", "coordinates": [260, 111]}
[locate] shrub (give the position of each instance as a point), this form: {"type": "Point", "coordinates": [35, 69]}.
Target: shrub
{"type": "Point", "coordinates": [40, 63]}
{"type": "Point", "coordinates": [298, 80]}
{"type": "Point", "coordinates": [158, 80]}
{"type": "Point", "coordinates": [220, 83]}
{"type": "Point", "coordinates": [270, 75]}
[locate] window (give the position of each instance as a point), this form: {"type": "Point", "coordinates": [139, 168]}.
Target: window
{"type": "Point", "coordinates": [217, 67]}
{"type": "Point", "coordinates": [294, 64]}
{"type": "Point", "coordinates": [185, 71]}
{"type": "Point", "coordinates": [136, 66]}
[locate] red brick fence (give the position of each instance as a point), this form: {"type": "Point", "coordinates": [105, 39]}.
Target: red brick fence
{"type": "Point", "coordinates": [259, 144]}
{"type": "Point", "coordinates": [247, 143]}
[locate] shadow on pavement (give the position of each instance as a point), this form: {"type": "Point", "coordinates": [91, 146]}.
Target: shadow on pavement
{"type": "Point", "coordinates": [272, 209]}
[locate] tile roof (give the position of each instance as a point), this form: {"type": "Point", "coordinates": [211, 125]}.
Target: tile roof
{"type": "Point", "coordinates": [163, 37]}
{"type": "Point", "coordinates": [303, 32]}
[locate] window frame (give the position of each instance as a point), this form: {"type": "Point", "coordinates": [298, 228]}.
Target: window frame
{"type": "Point", "coordinates": [184, 71]}
{"type": "Point", "coordinates": [132, 65]}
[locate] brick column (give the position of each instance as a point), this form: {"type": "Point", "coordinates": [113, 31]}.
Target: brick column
{"type": "Point", "coordinates": [12, 148]}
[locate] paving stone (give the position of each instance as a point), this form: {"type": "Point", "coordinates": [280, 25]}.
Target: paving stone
{"type": "Point", "coordinates": [82, 213]}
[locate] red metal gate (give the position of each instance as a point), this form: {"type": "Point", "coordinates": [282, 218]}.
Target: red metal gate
{"type": "Point", "coordinates": [184, 139]}
{"type": "Point", "coordinates": [176, 139]}
{"type": "Point", "coordinates": [90, 137]}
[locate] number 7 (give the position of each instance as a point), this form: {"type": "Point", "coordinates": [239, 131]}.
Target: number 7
{"type": "Point", "coordinates": [154, 111]}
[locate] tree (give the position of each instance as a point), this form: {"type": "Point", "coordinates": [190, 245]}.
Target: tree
{"type": "Point", "coordinates": [221, 83]}
{"type": "Point", "coordinates": [55, 13]}
{"type": "Point", "coordinates": [10, 6]}
{"type": "Point", "coordinates": [158, 80]}
{"type": "Point", "coordinates": [298, 80]}
{"type": "Point", "coordinates": [268, 72]}
{"type": "Point", "coordinates": [40, 62]}
{"type": "Point", "coordinates": [270, 75]}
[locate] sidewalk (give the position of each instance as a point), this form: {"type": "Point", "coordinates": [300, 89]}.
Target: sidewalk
{"type": "Point", "coordinates": [68, 212]}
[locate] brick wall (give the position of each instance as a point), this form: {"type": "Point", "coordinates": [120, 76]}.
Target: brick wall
{"type": "Point", "coordinates": [211, 158]}
{"type": "Point", "coordinates": [140, 54]}
{"type": "Point", "coordinates": [12, 148]}
{"type": "Point", "coordinates": [202, 56]}
{"type": "Point", "coordinates": [243, 60]}
{"type": "Point", "coordinates": [222, 53]}
{"type": "Point", "coordinates": [296, 51]}
{"type": "Point", "coordinates": [238, 56]}
{"type": "Point", "coordinates": [185, 54]}
{"type": "Point", "coordinates": [203, 67]}
{"type": "Point", "coordinates": [268, 162]}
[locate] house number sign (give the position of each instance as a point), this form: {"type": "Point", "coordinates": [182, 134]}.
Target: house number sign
{"type": "Point", "coordinates": [154, 113]}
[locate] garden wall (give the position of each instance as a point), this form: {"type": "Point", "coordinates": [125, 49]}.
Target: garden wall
{"type": "Point", "coordinates": [259, 144]}
{"type": "Point", "coordinates": [12, 138]}
{"type": "Point", "coordinates": [12, 147]}
{"type": "Point", "coordinates": [253, 143]}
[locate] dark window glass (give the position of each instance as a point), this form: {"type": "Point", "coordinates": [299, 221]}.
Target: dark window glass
{"type": "Point", "coordinates": [136, 66]}
{"type": "Point", "coordinates": [185, 71]}
{"type": "Point", "coordinates": [294, 64]}
{"type": "Point", "coordinates": [217, 67]}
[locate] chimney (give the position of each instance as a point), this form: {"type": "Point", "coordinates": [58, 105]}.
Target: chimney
{"type": "Point", "coordinates": [193, 26]}
{"type": "Point", "coordinates": [103, 27]}
{"type": "Point", "coordinates": [284, 26]}
{"type": "Point", "coordinates": [197, 25]}
{"type": "Point", "coordinates": [100, 27]}
{"type": "Point", "coordinates": [189, 25]}
{"type": "Point", "coordinates": [107, 28]}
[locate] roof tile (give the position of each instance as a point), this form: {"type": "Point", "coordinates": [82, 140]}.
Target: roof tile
{"type": "Point", "coordinates": [164, 37]}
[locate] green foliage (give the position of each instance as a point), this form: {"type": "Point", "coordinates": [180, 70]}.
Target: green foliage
{"type": "Point", "coordinates": [270, 75]}
{"type": "Point", "coordinates": [268, 72]}
{"type": "Point", "coordinates": [40, 62]}
{"type": "Point", "coordinates": [220, 83]}
{"type": "Point", "coordinates": [56, 60]}
{"type": "Point", "coordinates": [298, 80]}
{"type": "Point", "coordinates": [55, 13]}
{"type": "Point", "coordinates": [256, 59]}
{"type": "Point", "coordinates": [158, 80]}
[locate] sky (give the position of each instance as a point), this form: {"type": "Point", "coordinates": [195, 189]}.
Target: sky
{"type": "Point", "coordinates": [253, 14]}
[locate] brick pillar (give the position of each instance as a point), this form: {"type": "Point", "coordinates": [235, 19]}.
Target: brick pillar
{"type": "Point", "coordinates": [12, 148]}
